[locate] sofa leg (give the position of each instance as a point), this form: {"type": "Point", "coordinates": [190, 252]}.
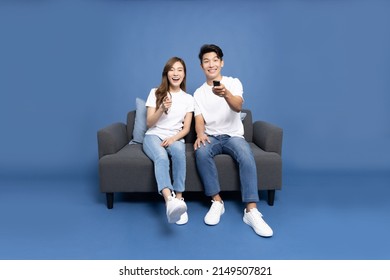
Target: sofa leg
{"type": "Point", "coordinates": [110, 200]}
{"type": "Point", "coordinates": [271, 197]}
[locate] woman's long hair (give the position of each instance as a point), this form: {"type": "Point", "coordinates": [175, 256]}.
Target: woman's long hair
{"type": "Point", "coordinates": [163, 89]}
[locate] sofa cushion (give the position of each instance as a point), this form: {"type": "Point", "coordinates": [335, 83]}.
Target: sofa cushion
{"type": "Point", "coordinates": [140, 121]}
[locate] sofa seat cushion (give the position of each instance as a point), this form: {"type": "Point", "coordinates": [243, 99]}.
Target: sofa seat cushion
{"type": "Point", "coordinates": [130, 170]}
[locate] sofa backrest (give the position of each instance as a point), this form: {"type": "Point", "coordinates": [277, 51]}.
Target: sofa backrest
{"type": "Point", "coordinates": [191, 136]}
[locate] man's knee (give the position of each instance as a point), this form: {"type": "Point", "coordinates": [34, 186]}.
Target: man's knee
{"type": "Point", "coordinates": [201, 154]}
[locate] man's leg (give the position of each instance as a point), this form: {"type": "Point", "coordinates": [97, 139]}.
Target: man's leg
{"type": "Point", "coordinates": [208, 173]}
{"type": "Point", "coordinates": [205, 164]}
{"type": "Point", "coordinates": [240, 150]}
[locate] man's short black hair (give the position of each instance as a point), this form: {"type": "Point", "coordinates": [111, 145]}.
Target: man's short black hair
{"type": "Point", "coordinates": [210, 48]}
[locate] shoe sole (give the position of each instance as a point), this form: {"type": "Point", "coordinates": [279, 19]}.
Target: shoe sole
{"type": "Point", "coordinates": [176, 214]}
{"type": "Point", "coordinates": [182, 223]}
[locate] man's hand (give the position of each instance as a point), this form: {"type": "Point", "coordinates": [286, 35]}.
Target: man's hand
{"type": "Point", "coordinates": [219, 90]}
{"type": "Point", "coordinates": [201, 140]}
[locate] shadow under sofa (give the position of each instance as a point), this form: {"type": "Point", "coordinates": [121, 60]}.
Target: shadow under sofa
{"type": "Point", "coordinates": [124, 167]}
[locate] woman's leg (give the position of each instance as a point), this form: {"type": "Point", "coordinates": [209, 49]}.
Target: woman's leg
{"type": "Point", "coordinates": [178, 157]}
{"type": "Point", "coordinates": [158, 154]}
{"type": "Point", "coordinates": [153, 149]}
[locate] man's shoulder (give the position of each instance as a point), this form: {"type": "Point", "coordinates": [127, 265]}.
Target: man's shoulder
{"type": "Point", "coordinates": [229, 79]}
{"type": "Point", "coordinates": [200, 89]}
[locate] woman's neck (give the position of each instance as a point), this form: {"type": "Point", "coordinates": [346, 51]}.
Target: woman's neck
{"type": "Point", "coordinates": [174, 89]}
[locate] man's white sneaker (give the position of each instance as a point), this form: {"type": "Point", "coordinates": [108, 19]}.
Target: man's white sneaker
{"type": "Point", "coordinates": [175, 208]}
{"type": "Point", "coordinates": [183, 219]}
{"type": "Point", "coordinates": [254, 219]}
{"type": "Point", "coordinates": [214, 214]}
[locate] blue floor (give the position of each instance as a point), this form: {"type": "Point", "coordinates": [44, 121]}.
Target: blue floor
{"type": "Point", "coordinates": [315, 216]}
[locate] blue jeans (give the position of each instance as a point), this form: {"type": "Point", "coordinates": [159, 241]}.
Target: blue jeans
{"type": "Point", "coordinates": [239, 149]}
{"type": "Point", "coordinates": [160, 157]}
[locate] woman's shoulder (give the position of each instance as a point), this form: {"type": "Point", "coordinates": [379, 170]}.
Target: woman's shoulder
{"type": "Point", "coordinates": [187, 95]}
{"type": "Point", "coordinates": [152, 91]}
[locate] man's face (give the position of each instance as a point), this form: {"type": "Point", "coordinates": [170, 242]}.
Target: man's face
{"type": "Point", "coordinates": [211, 66]}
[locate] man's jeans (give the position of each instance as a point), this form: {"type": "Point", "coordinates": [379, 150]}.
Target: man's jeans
{"type": "Point", "coordinates": [239, 149]}
{"type": "Point", "coordinates": [160, 156]}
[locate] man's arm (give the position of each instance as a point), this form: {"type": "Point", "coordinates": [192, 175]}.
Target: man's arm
{"type": "Point", "coordinates": [201, 136]}
{"type": "Point", "coordinates": [234, 101]}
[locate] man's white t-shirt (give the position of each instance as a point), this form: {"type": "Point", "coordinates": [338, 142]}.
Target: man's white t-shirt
{"type": "Point", "coordinates": [170, 124]}
{"type": "Point", "coordinates": [219, 117]}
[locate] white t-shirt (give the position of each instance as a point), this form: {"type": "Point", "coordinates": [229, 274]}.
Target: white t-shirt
{"type": "Point", "coordinates": [170, 124]}
{"type": "Point", "coordinates": [219, 117]}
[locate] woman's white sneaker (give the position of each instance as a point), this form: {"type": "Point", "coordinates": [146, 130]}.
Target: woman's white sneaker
{"type": "Point", "coordinates": [254, 219]}
{"type": "Point", "coordinates": [183, 219]}
{"type": "Point", "coordinates": [175, 208]}
{"type": "Point", "coordinates": [213, 216]}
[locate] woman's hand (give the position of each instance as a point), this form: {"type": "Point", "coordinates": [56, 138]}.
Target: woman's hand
{"type": "Point", "coordinates": [168, 141]}
{"type": "Point", "coordinates": [167, 103]}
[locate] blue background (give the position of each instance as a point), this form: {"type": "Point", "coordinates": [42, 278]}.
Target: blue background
{"type": "Point", "coordinates": [318, 69]}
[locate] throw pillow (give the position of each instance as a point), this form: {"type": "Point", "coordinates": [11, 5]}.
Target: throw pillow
{"type": "Point", "coordinates": [140, 121]}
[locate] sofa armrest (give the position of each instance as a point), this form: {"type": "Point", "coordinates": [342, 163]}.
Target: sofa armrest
{"type": "Point", "coordinates": [111, 139]}
{"type": "Point", "coordinates": [267, 136]}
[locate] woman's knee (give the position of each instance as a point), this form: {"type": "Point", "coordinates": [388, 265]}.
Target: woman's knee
{"type": "Point", "coordinates": [178, 152]}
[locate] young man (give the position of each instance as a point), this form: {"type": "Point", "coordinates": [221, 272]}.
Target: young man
{"type": "Point", "coordinates": [220, 131]}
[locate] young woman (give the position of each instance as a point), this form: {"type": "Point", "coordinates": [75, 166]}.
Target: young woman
{"type": "Point", "coordinates": [169, 116]}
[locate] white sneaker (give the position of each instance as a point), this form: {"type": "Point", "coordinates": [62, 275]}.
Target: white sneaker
{"type": "Point", "coordinates": [214, 214]}
{"type": "Point", "coordinates": [175, 208]}
{"type": "Point", "coordinates": [255, 220]}
{"type": "Point", "coordinates": [183, 219]}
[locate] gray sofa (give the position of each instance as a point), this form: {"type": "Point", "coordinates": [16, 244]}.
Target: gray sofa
{"type": "Point", "coordinates": [123, 167]}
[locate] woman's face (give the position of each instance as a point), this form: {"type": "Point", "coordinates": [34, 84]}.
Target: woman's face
{"type": "Point", "coordinates": [176, 75]}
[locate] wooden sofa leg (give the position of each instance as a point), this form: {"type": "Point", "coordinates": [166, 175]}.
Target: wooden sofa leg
{"type": "Point", "coordinates": [110, 200]}
{"type": "Point", "coordinates": [271, 197]}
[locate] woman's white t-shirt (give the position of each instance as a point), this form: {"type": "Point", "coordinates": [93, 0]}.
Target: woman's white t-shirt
{"type": "Point", "coordinates": [219, 117]}
{"type": "Point", "coordinates": [170, 124]}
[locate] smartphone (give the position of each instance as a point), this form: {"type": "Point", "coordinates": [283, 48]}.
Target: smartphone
{"type": "Point", "coordinates": [216, 83]}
